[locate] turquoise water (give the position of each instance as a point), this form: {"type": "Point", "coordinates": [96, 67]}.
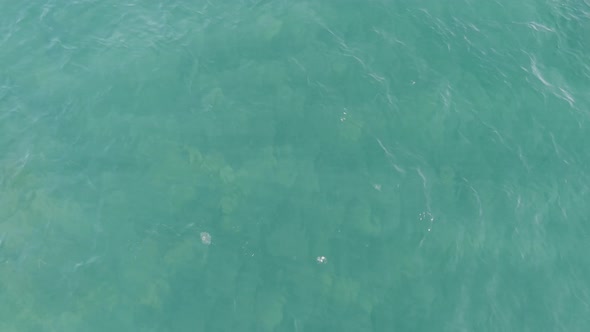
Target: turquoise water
{"type": "Point", "coordinates": [359, 166]}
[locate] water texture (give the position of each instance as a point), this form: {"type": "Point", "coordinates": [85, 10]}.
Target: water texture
{"type": "Point", "coordinates": [294, 165]}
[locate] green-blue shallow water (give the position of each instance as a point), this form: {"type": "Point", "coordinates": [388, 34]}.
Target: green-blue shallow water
{"type": "Point", "coordinates": [294, 165]}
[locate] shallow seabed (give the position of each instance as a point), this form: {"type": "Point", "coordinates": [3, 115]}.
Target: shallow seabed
{"type": "Point", "coordinates": [294, 166]}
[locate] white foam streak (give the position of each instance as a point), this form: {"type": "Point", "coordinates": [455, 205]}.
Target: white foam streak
{"type": "Point", "coordinates": [535, 70]}
{"type": "Point", "coordinates": [558, 91]}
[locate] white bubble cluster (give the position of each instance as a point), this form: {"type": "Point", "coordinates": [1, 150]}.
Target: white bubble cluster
{"type": "Point", "coordinates": [205, 238]}
{"type": "Point", "coordinates": [427, 216]}
{"type": "Point", "coordinates": [321, 259]}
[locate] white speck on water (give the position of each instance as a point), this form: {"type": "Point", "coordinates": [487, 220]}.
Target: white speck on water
{"type": "Point", "coordinates": [205, 238]}
{"type": "Point", "coordinates": [321, 259]}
